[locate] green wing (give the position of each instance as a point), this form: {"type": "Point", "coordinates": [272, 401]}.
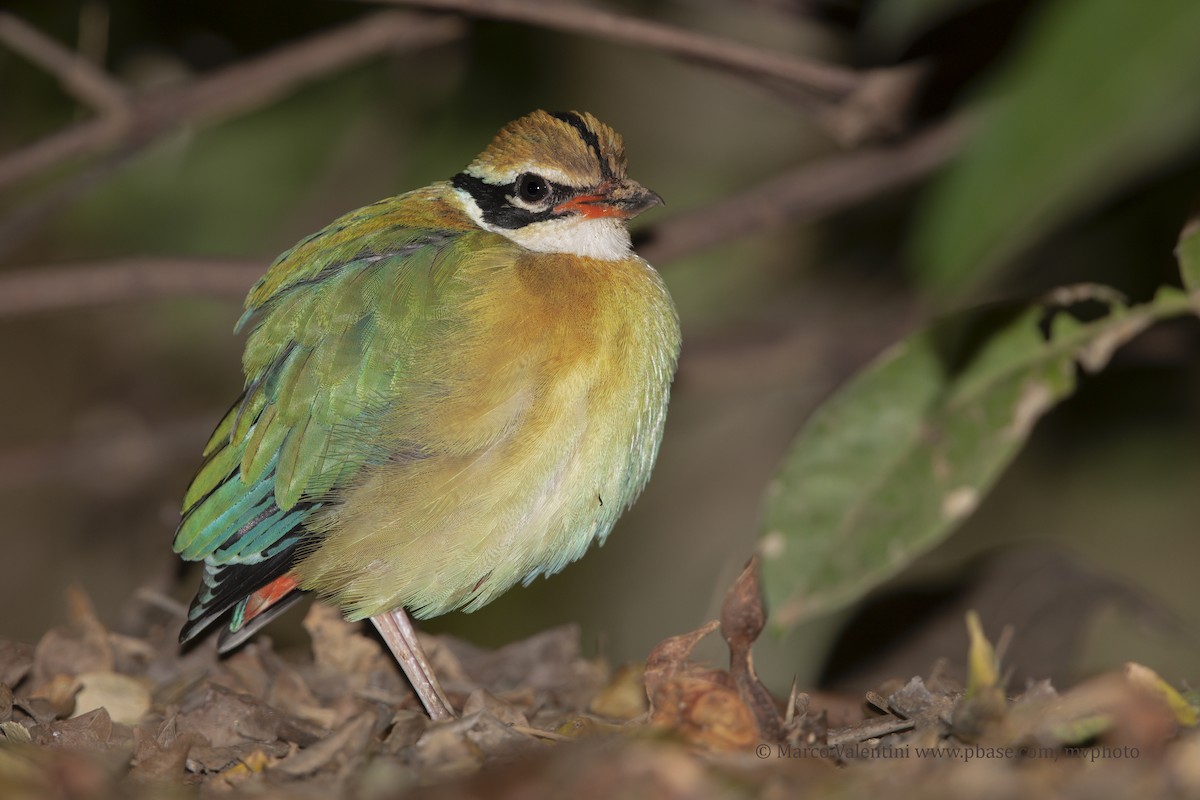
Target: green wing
{"type": "Point", "coordinates": [332, 327]}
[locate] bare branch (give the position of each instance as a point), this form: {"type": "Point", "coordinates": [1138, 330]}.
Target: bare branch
{"type": "Point", "coordinates": [88, 83]}
{"type": "Point", "coordinates": [80, 139]}
{"type": "Point", "coordinates": [807, 192]}
{"type": "Point", "coordinates": [250, 84]}
{"type": "Point", "coordinates": [230, 91]}
{"type": "Point", "coordinates": [47, 288]}
{"type": "Point", "coordinates": [827, 81]}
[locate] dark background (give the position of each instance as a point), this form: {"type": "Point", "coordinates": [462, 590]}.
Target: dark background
{"type": "Point", "coordinates": [105, 407]}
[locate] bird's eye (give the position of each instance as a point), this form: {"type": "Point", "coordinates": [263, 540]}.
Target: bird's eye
{"type": "Point", "coordinates": [532, 188]}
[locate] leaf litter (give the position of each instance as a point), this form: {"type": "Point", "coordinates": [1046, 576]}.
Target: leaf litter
{"type": "Point", "coordinates": [90, 713]}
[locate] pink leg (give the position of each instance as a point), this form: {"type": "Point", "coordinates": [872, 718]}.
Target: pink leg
{"type": "Point", "coordinates": [397, 631]}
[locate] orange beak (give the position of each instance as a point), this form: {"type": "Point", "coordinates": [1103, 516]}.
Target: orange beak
{"type": "Point", "coordinates": [623, 200]}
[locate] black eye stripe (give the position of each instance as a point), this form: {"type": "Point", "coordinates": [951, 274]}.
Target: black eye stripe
{"type": "Point", "coordinates": [495, 201]}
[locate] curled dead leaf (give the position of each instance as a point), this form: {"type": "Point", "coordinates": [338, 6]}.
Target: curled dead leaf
{"type": "Point", "coordinates": [1147, 680]}
{"type": "Point", "coordinates": [743, 618]}
{"type": "Point", "coordinates": [58, 694]}
{"type": "Point", "coordinates": [705, 712]}
{"type": "Point", "coordinates": [347, 741]}
{"type": "Point", "coordinates": [483, 700]}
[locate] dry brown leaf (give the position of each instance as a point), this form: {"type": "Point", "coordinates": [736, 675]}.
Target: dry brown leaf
{"type": "Point", "coordinates": [63, 651]}
{"type": "Point", "coordinates": [349, 740]}
{"type": "Point", "coordinates": [462, 745]}
{"type": "Point", "coordinates": [1105, 709]}
{"type": "Point", "coordinates": [59, 693]}
{"type": "Point", "coordinates": [93, 732]}
{"type": "Point", "coordinates": [742, 620]}
{"type": "Point", "coordinates": [126, 699]}
{"type": "Point", "coordinates": [483, 700]}
{"type": "Point", "coordinates": [207, 760]}
{"type": "Point", "coordinates": [624, 696]}
{"type": "Point", "coordinates": [549, 664]}
{"type": "Point", "coordinates": [408, 725]}
{"type": "Point", "coordinates": [225, 718]}
{"type": "Point", "coordinates": [156, 764]}
{"type": "Point", "coordinates": [699, 704]}
{"type": "Point", "coordinates": [16, 660]}
{"type": "Point", "coordinates": [1152, 684]}
{"type": "Point", "coordinates": [671, 656]}
{"type": "Point", "coordinates": [6, 703]}
{"type": "Point", "coordinates": [705, 713]}
{"type": "Point", "coordinates": [81, 646]}
{"type": "Point", "coordinates": [290, 693]}
{"type": "Point", "coordinates": [339, 646]}
{"type": "Point", "coordinates": [256, 713]}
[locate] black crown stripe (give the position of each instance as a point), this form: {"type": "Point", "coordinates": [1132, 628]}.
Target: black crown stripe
{"type": "Point", "coordinates": [589, 138]}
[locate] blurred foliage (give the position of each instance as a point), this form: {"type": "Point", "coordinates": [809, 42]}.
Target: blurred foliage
{"type": "Point", "coordinates": [1188, 253]}
{"type": "Point", "coordinates": [1084, 168]}
{"type": "Point", "coordinates": [902, 454]}
{"type": "Point", "coordinates": [892, 463]}
{"type": "Point", "coordinates": [1096, 95]}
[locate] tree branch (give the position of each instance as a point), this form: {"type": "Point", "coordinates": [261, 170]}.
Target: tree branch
{"type": "Point", "coordinates": [827, 81]}
{"type": "Point", "coordinates": [50, 288]}
{"type": "Point", "coordinates": [807, 192]}
{"type": "Point", "coordinates": [83, 79]}
{"type": "Point", "coordinates": [230, 91]}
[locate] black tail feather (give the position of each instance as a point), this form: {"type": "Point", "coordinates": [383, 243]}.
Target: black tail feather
{"type": "Point", "coordinates": [229, 639]}
{"type": "Point", "coordinates": [224, 586]}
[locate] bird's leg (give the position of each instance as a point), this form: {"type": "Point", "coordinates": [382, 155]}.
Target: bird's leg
{"type": "Point", "coordinates": [397, 630]}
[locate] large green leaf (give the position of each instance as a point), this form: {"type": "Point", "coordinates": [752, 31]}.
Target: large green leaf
{"type": "Point", "coordinates": [1101, 92]}
{"type": "Point", "coordinates": [893, 462]}
{"type": "Point", "coordinates": [1188, 253]}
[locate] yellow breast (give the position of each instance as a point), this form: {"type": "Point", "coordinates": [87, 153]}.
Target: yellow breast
{"type": "Point", "coordinates": [540, 420]}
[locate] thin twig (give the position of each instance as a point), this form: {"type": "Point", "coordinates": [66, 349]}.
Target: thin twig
{"type": "Point", "coordinates": [868, 729]}
{"type": "Point", "coordinates": [825, 80]}
{"type": "Point", "coordinates": [51, 288]}
{"type": "Point", "coordinates": [808, 192]}
{"type": "Point", "coordinates": [540, 734]}
{"type": "Point", "coordinates": [230, 91]}
{"type": "Point", "coordinates": [87, 82]}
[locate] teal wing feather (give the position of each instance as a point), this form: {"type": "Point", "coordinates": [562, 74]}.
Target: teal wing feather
{"type": "Point", "coordinates": [331, 325]}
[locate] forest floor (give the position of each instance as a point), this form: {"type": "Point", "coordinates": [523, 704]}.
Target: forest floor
{"type": "Point", "coordinates": [90, 713]}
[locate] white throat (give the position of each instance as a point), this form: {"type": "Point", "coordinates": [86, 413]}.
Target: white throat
{"type": "Point", "coordinates": [605, 238]}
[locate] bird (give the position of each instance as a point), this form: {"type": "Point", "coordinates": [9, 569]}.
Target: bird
{"type": "Point", "coordinates": [448, 392]}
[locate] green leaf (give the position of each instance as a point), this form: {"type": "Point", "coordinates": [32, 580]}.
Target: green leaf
{"type": "Point", "coordinates": [1188, 253]}
{"type": "Point", "coordinates": [891, 464]}
{"type": "Point", "coordinates": [1101, 92]}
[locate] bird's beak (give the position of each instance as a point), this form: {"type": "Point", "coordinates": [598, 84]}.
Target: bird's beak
{"type": "Point", "coordinates": [624, 200]}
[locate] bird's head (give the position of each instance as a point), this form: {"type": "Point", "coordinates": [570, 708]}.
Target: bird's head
{"type": "Point", "coordinates": [555, 183]}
